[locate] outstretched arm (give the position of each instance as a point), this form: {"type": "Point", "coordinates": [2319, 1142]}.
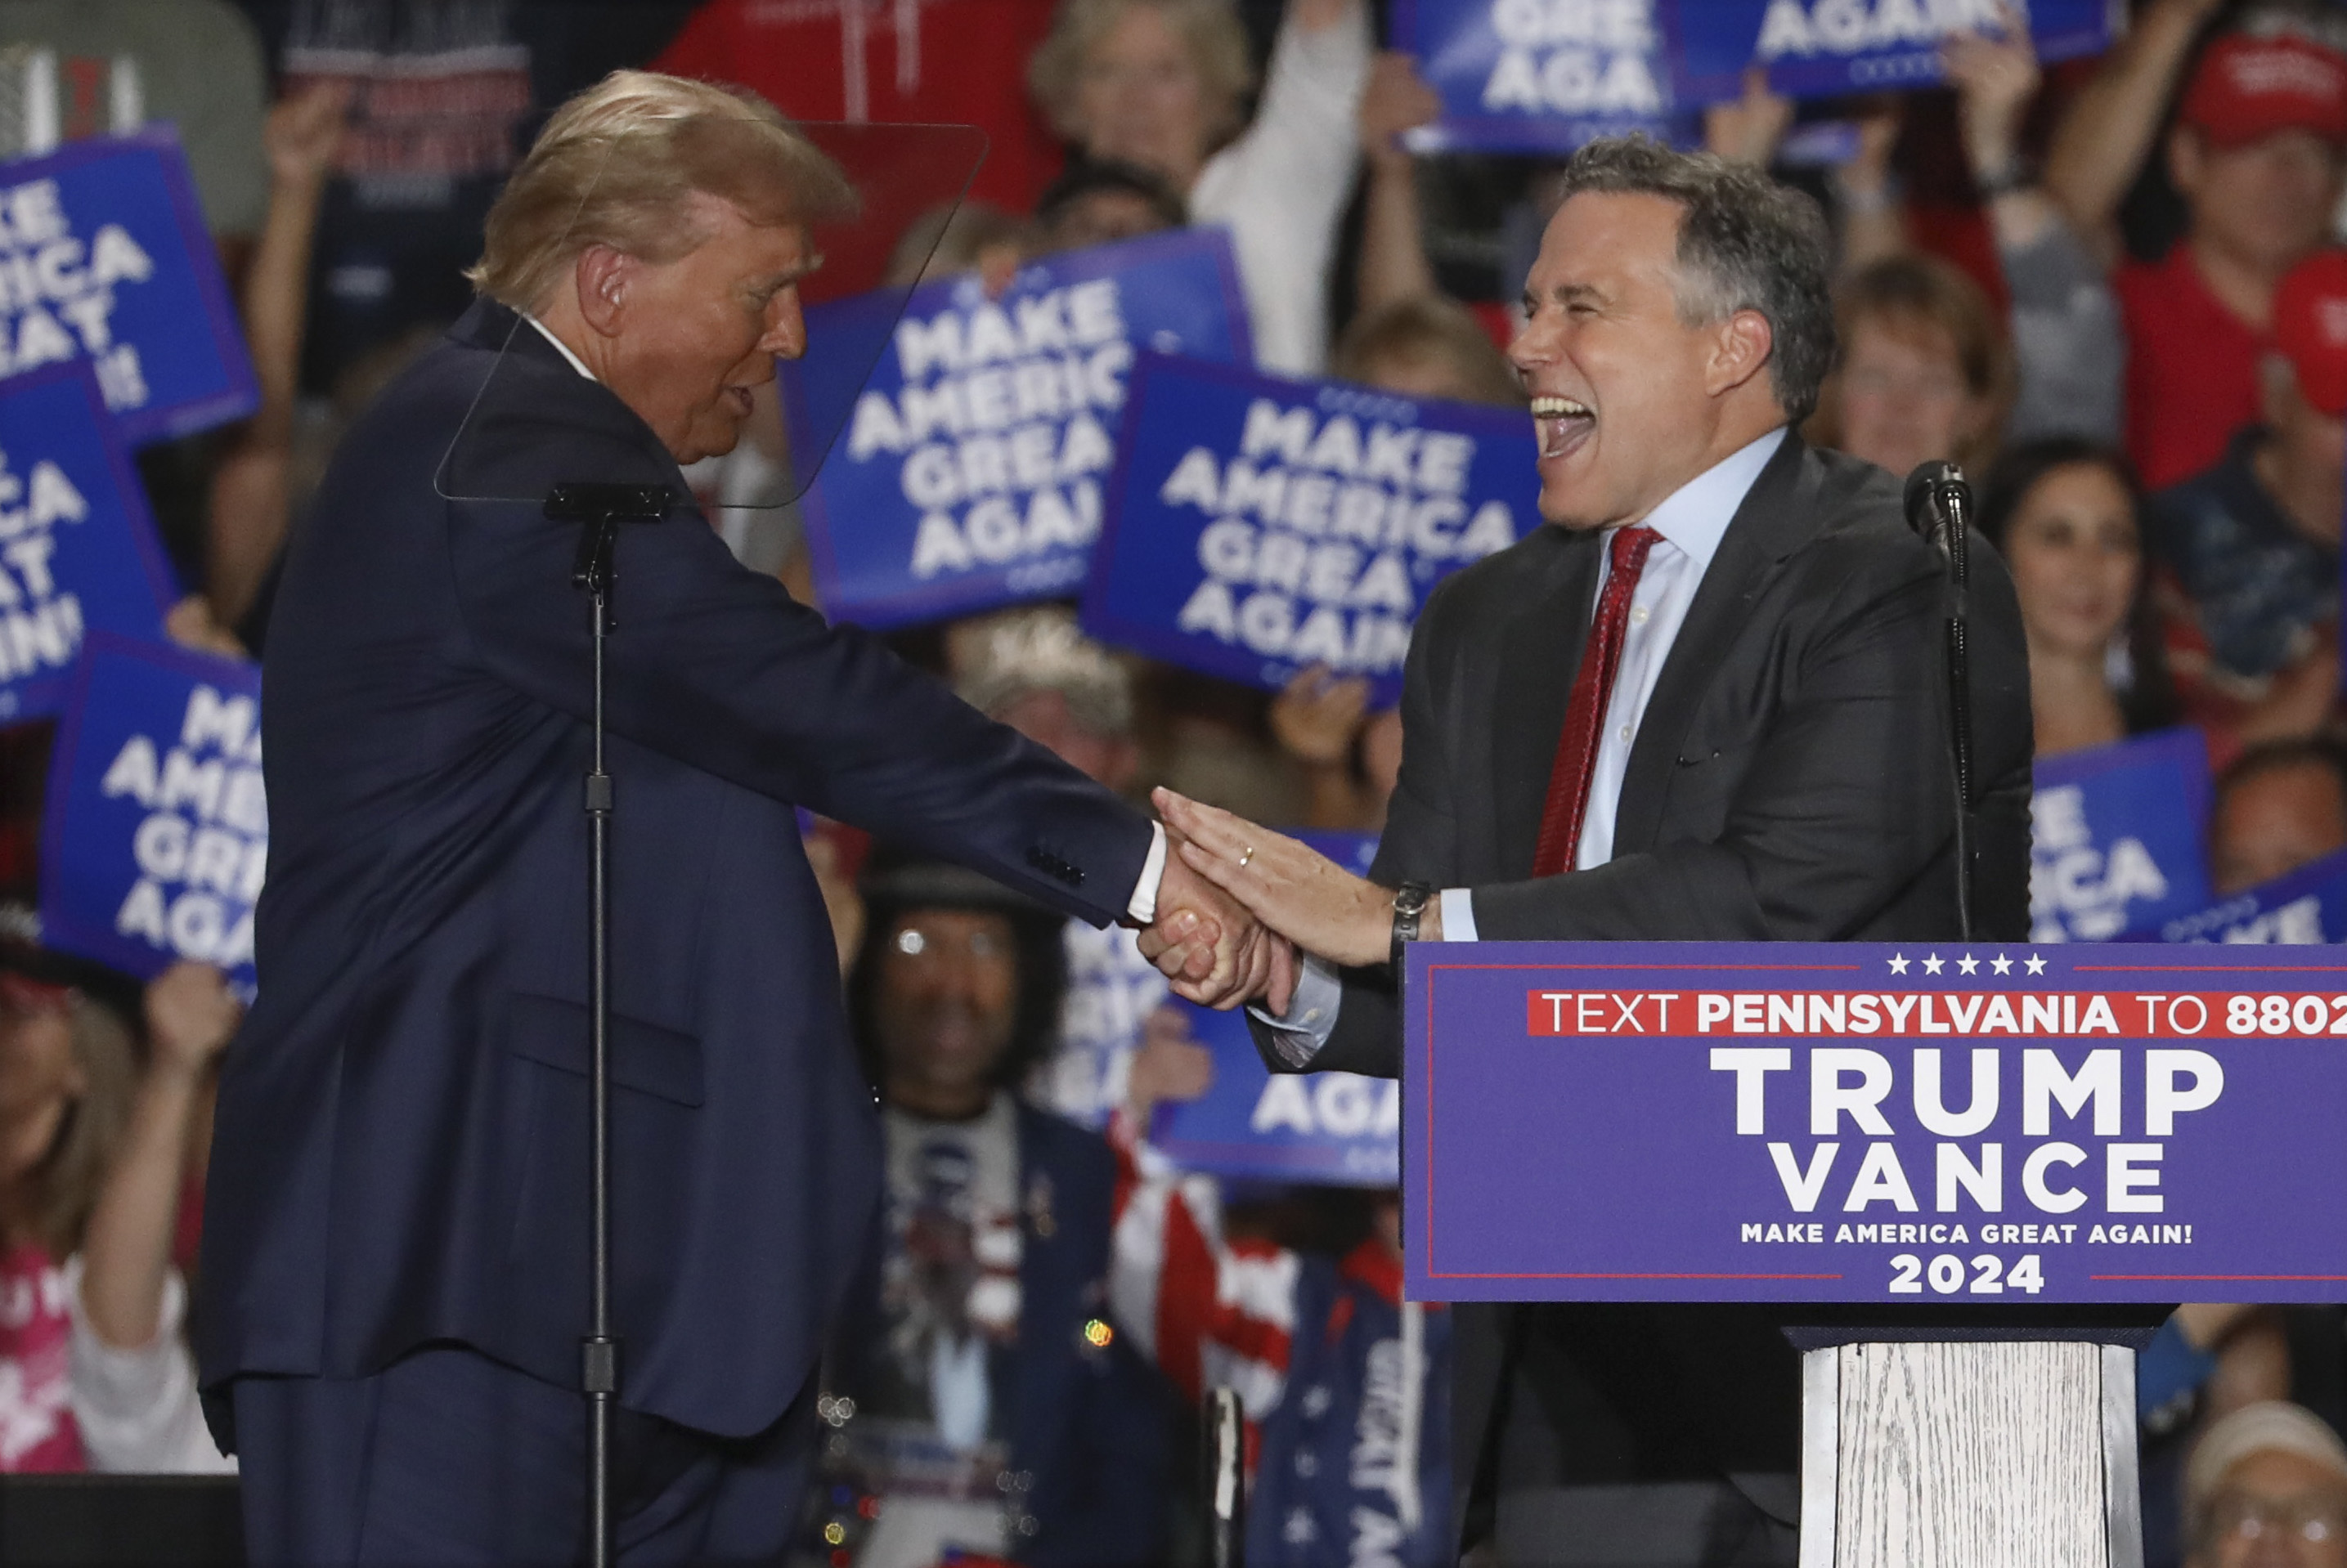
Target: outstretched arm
{"type": "Point", "coordinates": [2100, 145]}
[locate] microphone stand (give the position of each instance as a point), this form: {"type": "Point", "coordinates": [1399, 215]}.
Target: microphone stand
{"type": "Point", "coordinates": [1225, 1445]}
{"type": "Point", "coordinates": [600, 509]}
{"type": "Point", "coordinates": [1945, 500]}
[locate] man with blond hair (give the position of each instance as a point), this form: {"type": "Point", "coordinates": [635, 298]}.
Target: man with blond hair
{"type": "Point", "coordinates": [395, 1270]}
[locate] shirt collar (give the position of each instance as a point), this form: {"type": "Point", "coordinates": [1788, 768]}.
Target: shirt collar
{"type": "Point", "coordinates": [1696, 515]}
{"type": "Point", "coordinates": [576, 362]}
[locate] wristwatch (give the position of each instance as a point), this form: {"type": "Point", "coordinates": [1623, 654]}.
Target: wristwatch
{"type": "Point", "coordinates": [1409, 902]}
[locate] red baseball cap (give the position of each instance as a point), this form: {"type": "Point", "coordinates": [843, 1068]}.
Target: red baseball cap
{"type": "Point", "coordinates": [2245, 88]}
{"type": "Point", "coordinates": [2310, 325]}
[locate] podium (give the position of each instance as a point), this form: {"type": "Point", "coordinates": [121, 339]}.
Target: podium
{"type": "Point", "coordinates": [1973, 1177]}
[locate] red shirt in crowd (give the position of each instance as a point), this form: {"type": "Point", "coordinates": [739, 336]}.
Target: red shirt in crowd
{"type": "Point", "coordinates": [36, 1422]}
{"type": "Point", "coordinates": [908, 61]}
{"type": "Point", "coordinates": [2192, 368]}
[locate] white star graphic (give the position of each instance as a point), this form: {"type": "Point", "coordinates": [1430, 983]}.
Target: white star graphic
{"type": "Point", "coordinates": [2002, 964]}
{"type": "Point", "coordinates": [1932, 965]}
{"type": "Point", "coordinates": [2036, 965]}
{"type": "Point", "coordinates": [1967, 963]}
{"type": "Point", "coordinates": [1898, 963]}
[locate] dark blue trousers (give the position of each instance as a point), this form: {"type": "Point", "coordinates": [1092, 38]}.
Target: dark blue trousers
{"type": "Point", "coordinates": [447, 1457]}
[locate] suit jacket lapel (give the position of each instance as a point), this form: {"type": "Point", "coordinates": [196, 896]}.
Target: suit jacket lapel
{"type": "Point", "coordinates": [1540, 650]}
{"type": "Point", "coordinates": [1775, 517]}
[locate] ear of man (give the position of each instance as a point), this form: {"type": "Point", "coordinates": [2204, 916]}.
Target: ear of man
{"type": "Point", "coordinates": [1740, 347]}
{"type": "Point", "coordinates": [600, 279]}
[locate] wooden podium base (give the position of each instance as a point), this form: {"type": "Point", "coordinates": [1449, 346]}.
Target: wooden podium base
{"type": "Point", "coordinates": [1938, 1454]}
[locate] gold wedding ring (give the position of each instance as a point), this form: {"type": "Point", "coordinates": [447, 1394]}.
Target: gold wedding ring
{"type": "Point", "coordinates": [1245, 855]}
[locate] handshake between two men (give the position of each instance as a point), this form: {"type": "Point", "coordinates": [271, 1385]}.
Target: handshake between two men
{"type": "Point", "coordinates": [1239, 901]}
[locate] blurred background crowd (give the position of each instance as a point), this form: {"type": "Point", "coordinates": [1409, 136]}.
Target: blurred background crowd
{"type": "Point", "coordinates": [2111, 288]}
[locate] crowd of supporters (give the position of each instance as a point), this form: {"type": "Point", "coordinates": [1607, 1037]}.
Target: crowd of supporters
{"type": "Point", "coordinates": [2112, 289]}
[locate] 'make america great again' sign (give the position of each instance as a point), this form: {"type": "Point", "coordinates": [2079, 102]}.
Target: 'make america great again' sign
{"type": "Point", "coordinates": [1787, 1122]}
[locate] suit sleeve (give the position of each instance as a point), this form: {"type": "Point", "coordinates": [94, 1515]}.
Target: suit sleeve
{"type": "Point", "coordinates": [718, 667]}
{"type": "Point", "coordinates": [1843, 803]}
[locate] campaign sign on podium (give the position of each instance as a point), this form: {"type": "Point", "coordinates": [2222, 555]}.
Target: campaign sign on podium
{"type": "Point", "coordinates": [1926, 1123]}
{"type": "Point", "coordinates": [104, 259]}
{"type": "Point", "coordinates": [156, 836]}
{"type": "Point", "coordinates": [969, 474]}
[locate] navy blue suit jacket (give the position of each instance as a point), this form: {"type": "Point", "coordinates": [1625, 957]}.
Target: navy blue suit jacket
{"type": "Point", "coordinates": [399, 1153]}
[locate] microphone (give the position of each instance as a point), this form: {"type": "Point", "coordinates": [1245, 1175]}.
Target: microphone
{"type": "Point", "coordinates": [1939, 508]}
{"type": "Point", "coordinates": [1937, 497]}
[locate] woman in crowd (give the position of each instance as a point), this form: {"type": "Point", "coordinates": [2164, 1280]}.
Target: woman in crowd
{"type": "Point", "coordinates": [1924, 373]}
{"type": "Point", "coordinates": [2063, 512]}
{"type": "Point", "coordinates": [93, 1371]}
{"type": "Point", "coordinates": [134, 1381]}
{"type": "Point", "coordinates": [67, 1079]}
{"type": "Point", "coordinates": [1161, 84]}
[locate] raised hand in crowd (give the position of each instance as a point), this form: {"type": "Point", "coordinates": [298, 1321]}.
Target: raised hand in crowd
{"type": "Point", "coordinates": [251, 501]}
{"type": "Point", "coordinates": [192, 623]}
{"type": "Point", "coordinates": [1997, 78]}
{"type": "Point", "coordinates": [1170, 1065]}
{"type": "Point", "coordinates": [1750, 129]}
{"type": "Point", "coordinates": [2110, 127]}
{"type": "Point", "coordinates": [1289, 886]}
{"type": "Point", "coordinates": [126, 1252]}
{"type": "Point", "coordinates": [1393, 260]}
{"type": "Point", "coordinates": [1865, 189]}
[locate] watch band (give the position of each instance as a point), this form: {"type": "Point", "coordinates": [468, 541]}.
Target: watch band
{"type": "Point", "coordinates": [1409, 902]}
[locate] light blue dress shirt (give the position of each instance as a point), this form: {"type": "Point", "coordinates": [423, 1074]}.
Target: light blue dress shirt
{"type": "Point", "coordinates": [1692, 521]}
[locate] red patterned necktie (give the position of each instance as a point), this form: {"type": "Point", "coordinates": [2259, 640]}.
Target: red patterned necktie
{"type": "Point", "coordinates": [1585, 717]}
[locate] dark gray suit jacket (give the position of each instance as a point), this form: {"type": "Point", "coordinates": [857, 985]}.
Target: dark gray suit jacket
{"type": "Point", "coordinates": [1790, 781]}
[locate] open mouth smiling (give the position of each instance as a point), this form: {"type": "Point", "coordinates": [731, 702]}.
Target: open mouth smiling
{"type": "Point", "coordinates": [1563, 424]}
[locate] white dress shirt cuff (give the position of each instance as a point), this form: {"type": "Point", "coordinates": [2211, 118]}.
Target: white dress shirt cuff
{"type": "Point", "coordinates": [1298, 1034]}
{"type": "Point", "coordinates": [1458, 915]}
{"type": "Point", "coordinates": [1143, 907]}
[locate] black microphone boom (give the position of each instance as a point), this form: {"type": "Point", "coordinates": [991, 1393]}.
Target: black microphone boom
{"type": "Point", "coordinates": [1939, 507]}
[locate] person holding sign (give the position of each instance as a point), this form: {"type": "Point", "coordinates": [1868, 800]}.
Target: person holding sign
{"type": "Point", "coordinates": [1163, 84]}
{"type": "Point", "coordinates": [396, 1255]}
{"type": "Point", "coordinates": [1706, 705]}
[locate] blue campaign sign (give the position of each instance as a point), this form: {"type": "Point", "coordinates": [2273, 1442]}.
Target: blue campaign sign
{"type": "Point", "coordinates": [1252, 1124]}
{"type": "Point", "coordinates": [1540, 76]}
{"type": "Point", "coordinates": [1941, 1122]}
{"type": "Point", "coordinates": [2118, 837]}
{"type": "Point", "coordinates": [970, 475]}
{"type": "Point", "coordinates": [103, 258]}
{"type": "Point", "coordinates": [1257, 1125]}
{"type": "Point", "coordinates": [2307, 907]}
{"type": "Point", "coordinates": [156, 834]}
{"type": "Point", "coordinates": [1825, 49]}
{"type": "Point", "coordinates": [77, 550]}
{"type": "Point", "coordinates": [1259, 525]}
